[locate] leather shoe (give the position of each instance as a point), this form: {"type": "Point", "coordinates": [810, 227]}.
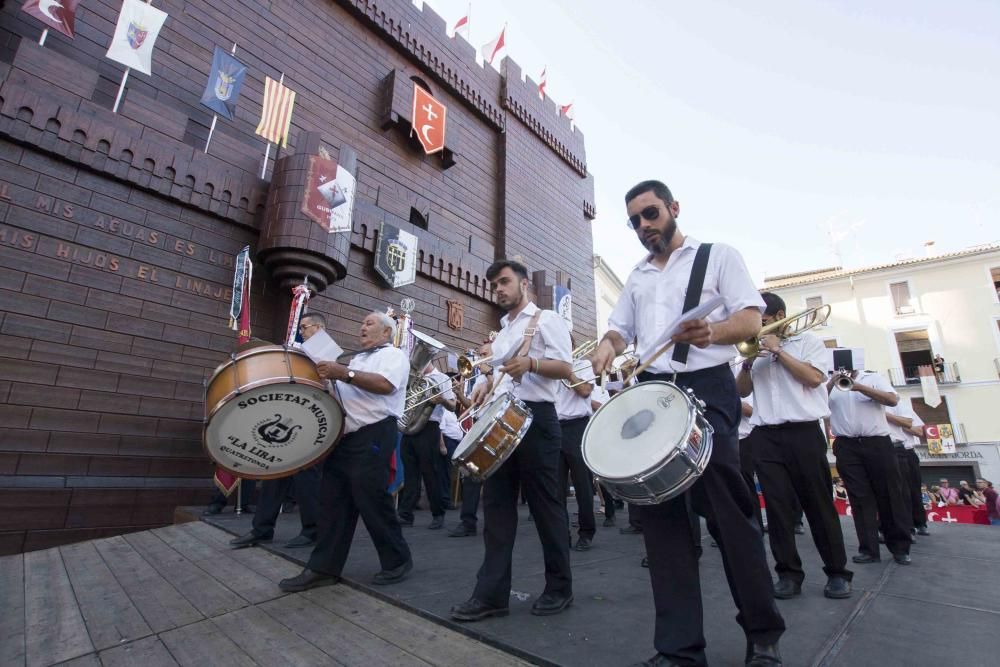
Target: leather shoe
{"type": "Point", "coordinates": [902, 559]}
{"type": "Point", "coordinates": [658, 660]}
{"type": "Point", "coordinates": [212, 509]}
{"type": "Point", "coordinates": [609, 522]}
{"type": "Point", "coordinates": [248, 540]}
{"type": "Point", "coordinates": [395, 575]}
{"type": "Point", "coordinates": [837, 588]}
{"type": "Point", "coordinates": [582, 544]}
{"type": "Point", "coordinates": [247, 509]}
{"type": "Point", "coordinates": [461, 530]}
{"type": "Point", "coordinates": [476, 610]}
{"type": "Point", "coordinates": [405, 522]}
{"type": "Point", "coordinates": [299, 542]}
{"type": "Point", "coordinates": [800, 529]}
{"type": "Point", "coordinates": [863, 559]}
{"type": "Point", "coordinates": [549, 604]}
{"type": "Point", "coordinates": [763, 655]}
{"type": "Point", "coordinates": [437, 523]}
{"type": "Point", "coordinates": [630, 530]}
{"type": "Point", "coordinates": [645, 561]}
{"type": "Point", "coordinates": [923, 531]}
{"type": "Point", "coordinates": [305, 580]}
{"type": "Point", "coordinates": [786, 588]}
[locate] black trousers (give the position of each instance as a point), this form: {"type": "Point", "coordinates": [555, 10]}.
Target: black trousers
{"type": "Point", "coordinates": [721, 496]}
{"type": "Point", "coordinates": [871, 474]}
{"type": "Point", "coordinates": [571, 465]}
{"type": "Point", "coordinates": [420, 451]}
{"type": "Point", "coordinates": [244, 493]}
{"type": "Point", "coordinates": [791, 465]}
{"type": "Point", "coordinates": [909, 475]}
{"type": "Point", "coordinates": [535, 466]}
{"type": "Point", "coordinates": [273, 493]}
{"type": "Point", "coordinates": [355, 477]}
{"type": "Point", "coordinates": [609, 502]}
{"type": "Point", "coordinates": [472, 491]}
{"type": "Point", "coordinates": [746, 471]}
{"type": "Point", "coordinates": [445, 471]}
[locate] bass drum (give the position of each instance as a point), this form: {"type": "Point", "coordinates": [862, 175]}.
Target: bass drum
{"type": "Point", "coordinates": [268, 414]}
{"type": "Point", "coordinates": [649, 443]}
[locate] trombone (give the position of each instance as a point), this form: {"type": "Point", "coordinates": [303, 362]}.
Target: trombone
{"type": "Point", "coordinates": [581, 352]}
{"type": "Point", "coordinates": [785, 328]}
{"type": "Point", "coordinates": [466, 367]}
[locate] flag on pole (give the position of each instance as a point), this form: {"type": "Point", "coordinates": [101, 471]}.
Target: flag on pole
{"type": "Point", "coordinates": [491, 49]}
{"type": "Point", "coordinates": [55, 14]}
{"type": "Point", "coordinates": [567, 110]}
{"type": "Point", "coordinates": [276, 116]}
{"type": "Point", "coordinates": [224, 83]}
{"type": "Point", "coordinates": [462, 25]}
{"type": "Point", "coordinates": [929, 385]}
{"type": "Point", "coordinates": [138, 27]}
{"type": "Point", "coordinates": [541, 84]}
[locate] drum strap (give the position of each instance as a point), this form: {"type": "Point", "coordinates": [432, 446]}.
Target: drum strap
{"type": "Point", "coordinates": [695, 284]}
{"type": "Point", "coordinates": [529, 332]}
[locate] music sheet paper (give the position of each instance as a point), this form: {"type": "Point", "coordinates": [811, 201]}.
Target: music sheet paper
{"type": "Point", "coordinates": [320, 347]}
{"type": "Point", "coordinates": [699, 312]}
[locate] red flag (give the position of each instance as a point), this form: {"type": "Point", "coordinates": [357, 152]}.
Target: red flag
{"type": "Point", "coordinates": [541, 84]}
{"type": "Point", "coordinates": [225, 481]}
{"type": "Point", "coordinates": [462, 25]}
{"type": "Point", "coordinates": [492, 48]}
{"type": "Point", "coordinates": [567, 110]}
{"type": "Point", "coordinates": [55, 14]}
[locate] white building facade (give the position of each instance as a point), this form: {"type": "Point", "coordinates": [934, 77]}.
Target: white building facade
{"type": "Point", "coordinates": [608, 288]}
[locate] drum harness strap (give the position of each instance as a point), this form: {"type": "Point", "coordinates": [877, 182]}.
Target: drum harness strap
{"type": "Point", "coordinates": [693, 297]}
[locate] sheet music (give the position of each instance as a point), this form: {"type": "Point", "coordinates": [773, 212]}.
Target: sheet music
{"type": "Point", "coordinates": [320, 347]}
{"type": "Point", "coordinates": [699, 312]}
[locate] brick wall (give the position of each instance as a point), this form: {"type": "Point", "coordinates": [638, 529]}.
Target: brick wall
{"type": "Point", "coordinates": [117, 232]}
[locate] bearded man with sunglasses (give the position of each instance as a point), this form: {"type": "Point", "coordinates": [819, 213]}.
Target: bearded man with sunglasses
{"type": "Point", "coordinates": [655, 294]}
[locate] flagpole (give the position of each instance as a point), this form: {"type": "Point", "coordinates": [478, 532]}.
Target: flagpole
{"type": "Point", "coordinates": [121, 87]}
{"type": "Point", "coordinates": [41, 40]}
{"type": "Point", "coordinates": [267, 152]}
{"type": "Point", "coordinates": [215, 116]}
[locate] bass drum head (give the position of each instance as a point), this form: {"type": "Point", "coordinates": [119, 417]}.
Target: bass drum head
{"type": "Point", "coordinates": [274, 430]}
{"type": "Point", "coordinates": [636, 430]}
{"type": "Point", "coordinates": [485, 421]}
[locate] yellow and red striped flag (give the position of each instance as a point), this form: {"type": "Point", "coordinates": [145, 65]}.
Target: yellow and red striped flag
{"type": "Point", "coordinates": [276, 117]}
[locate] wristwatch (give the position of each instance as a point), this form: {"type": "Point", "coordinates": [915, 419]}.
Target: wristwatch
{"type": "Point", "coordinates": [350, 377]}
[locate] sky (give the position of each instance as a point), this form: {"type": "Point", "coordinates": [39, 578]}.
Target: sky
{"type": "Point", "coordinates": [805, 133]}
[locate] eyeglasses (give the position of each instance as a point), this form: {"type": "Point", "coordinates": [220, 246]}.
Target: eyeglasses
{"type": "Point", "coordinates": [306, 327]}
{"type": "Point", "coordinates": [649, 214]}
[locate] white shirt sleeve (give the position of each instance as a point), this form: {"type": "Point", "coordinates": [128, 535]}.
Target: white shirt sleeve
{"type": "Point", "coordinates": [622, 318]}
{"type": "Point", "coordinates": [735, 284]}
{"type": "Point", "coordinates": [445, 385]}
{"type": "Point", "coordinates": [816, 354]}
{"type": "Point", "coordinates": [876, 381]}
{"type": "Point", "coordinates": [555, 336]}
{"type": "Point", "coordinates": [392, 364]}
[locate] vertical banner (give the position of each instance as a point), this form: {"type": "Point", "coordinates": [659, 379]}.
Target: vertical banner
{"type": "Point", "coordinates": [562, 303]}
{"type": "Point", "coordinates": [929, 386]}
{"type": "Point", "coordinates": [224, 84]}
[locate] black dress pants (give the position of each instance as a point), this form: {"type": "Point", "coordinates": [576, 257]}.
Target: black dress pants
{"type": "Point", "coordinates": [791, 465]}
{"type": "Point", "coordinates": [420, 450]}
{"type": "Point", "coordinates": [445, 470]}
{"type": "Point", "coordinates": [871, 474]}
{"type": "Point", "coordinates": [721, 496]}
{"type": "Point", "coordinates": [534, 465]}
{"type": "Point", "coordinates": [355, 477]}
{"type": "Point", "coordinates": [909, 475]}
{"type": "Point", "coordinates": [571, 465]}
{"type": "Point", "coordinates": [472, 491]}
{"type": "Point", "coordinates": [273, 493]}
{"type": "Point", "coordinates": [609, 502]}
{"type": "Point", "coordinates": [746, 471]}
{"type": "Point", "coordinates": [244, 493]}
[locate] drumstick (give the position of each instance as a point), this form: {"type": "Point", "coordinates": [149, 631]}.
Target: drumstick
{"type": "Point", "coordinates": [649, 362]}
{"type": "Point", "coordinates": [472, 408]}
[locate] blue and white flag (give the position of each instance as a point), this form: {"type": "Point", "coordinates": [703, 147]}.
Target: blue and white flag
{"type": "Point", "coordinates": [224, 83]}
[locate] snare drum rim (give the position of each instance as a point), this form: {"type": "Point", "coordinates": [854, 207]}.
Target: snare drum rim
{"type": "Point", "coordinates": [643, 475]}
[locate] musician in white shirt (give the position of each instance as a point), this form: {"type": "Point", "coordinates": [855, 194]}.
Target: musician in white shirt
{"type": "Point", "coordinates": [534, 463]}
{"type": "Point", "coordinates": [789, 452]}
{"type": "Point", "coordinates": [867, 464]}
{"type": "Point", "coordinates": [904, 425]}
{"type": "Point", "coordinates": [654, 296]}
{"type": "Point", "coordinates": [372, 391]}
{"type": "Point", "coordinates": [574, 410]}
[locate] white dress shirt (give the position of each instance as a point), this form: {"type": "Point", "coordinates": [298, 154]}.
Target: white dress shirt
{"type": "Point", "coordinates": [439, 381]}
{"type": "Point", "coordinates": [653, 299]}
{"type": "Point", "coordinates": [854, 415]}
{"type": "Point", "coordinates": [778, 396]}
{"type": "Point", "coordinates": [569, 404]}
{"type": "Point", "coordinates": [745, 425]}
{"type": "Point", "coordinates": [551, 341]}
{"type": "Point", "coordinates": [450, 426]}
{"type": "Point", "coordinates": [903, 409]}
{"type": "Point", "coordinates": [361, 407]}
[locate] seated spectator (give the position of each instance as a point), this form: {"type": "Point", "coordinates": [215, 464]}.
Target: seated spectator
{"type": "Point", "coordinates": [948, 494]}
{"type": "Point", "coordinates": [967, 496]}
{"type": "Point", "coordinates": [925, 496]}
{"type": "Point", "coordinates": [936, 500]}
{"type": "Point", "coordinates": [992, 501]}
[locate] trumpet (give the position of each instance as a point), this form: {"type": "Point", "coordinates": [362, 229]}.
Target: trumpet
{"type": "Point", "coordinates": [843, 381]}
{"type": "Point", "coordinates": [785, 328]}
{"type": "Point", "coordinates": [579, 354]}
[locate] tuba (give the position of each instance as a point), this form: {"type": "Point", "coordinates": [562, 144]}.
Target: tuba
{"type": "Point", "coordinates": [418, 407]}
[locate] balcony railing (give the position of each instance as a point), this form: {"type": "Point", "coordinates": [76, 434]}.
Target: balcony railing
{"type": "Point", "coordinates": [946, 373]}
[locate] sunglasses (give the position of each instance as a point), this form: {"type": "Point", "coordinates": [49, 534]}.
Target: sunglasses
{"type": "Point", "coordinates": [649, 214]}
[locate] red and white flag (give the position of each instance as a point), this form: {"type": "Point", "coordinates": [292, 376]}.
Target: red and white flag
{"type": "Point", "coordinates": [276, 116]}
{"type": "Point", "coordinates": [493, 48]}
{"type": "Point", "coordinates": [567, 110]}
{"type": "Point", "coordinates": [541, 84]}
{"type": "Point", "coordinates": [462, 25]}
{"type": "Point", "coordinates": [929, 386]}
{"type": "Point", "coordinates": [138, 27]}
{"type": "Point", "coordinates": [55, 14]}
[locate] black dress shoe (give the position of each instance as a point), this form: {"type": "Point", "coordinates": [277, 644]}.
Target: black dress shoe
{"type": "Point", "coordinates": [902, 559]}
{"type": "Point", "coordinates": [248, 540]}
{"type": "Point", "coordinates": [582, 544]}
{"type": "Point", "coordinates": [212, 509]}
{"type": "Point", "coordinates": [862, 559]}
{"type": "Point", "coordinates": [395, 575]}
{"type": "Point", "coordinates": [476, 610]}
{"type": "Point", "coordinates": [800, 529]}
{"type": "Point", "coordinates": [405, 522]}
{"type": "Point", "coordinates": [247, 509]}
{"type": "Point", "coordinates": [630, 530]}
{"type": "Point", "coordinates": [763, 655]}
{"type": "Point", "coordinates": [461, 530]}
{"type": "Point", "coordinates": [549, 604]}
{"type": "Point", "coordinates": [786, 588]}
{"type": "Point", "coordinates": [305, 580]}
{"type": "Point", "coordinates": [658, 660]}
{"type": "Point", "coordinates": [837, 588]}
{"type": "Point", "coordinates": [645, 561]}
{"type": "Point", "coordinates": [609, 522]}
{"type": "Point", "coordinates": [299, 541]}
{"type": "Point", "coordinates": [437, 523]}
{"type": "Point", "coordinates": [923, 531]}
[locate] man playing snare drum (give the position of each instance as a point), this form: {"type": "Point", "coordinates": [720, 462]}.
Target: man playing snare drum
{"type": "Point", "coordinates": [658, 290]}
{"type": "Point", "coordinates": [535, 462]}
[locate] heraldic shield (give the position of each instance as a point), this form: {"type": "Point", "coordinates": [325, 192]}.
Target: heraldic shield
{"type": "Point", "coordinates": [396, 256]}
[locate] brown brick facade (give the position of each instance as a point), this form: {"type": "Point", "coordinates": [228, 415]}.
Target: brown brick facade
{"type": "Point", "coordinates": [118, 233]}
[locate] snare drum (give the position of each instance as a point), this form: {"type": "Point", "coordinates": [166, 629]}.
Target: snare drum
{"type": "Point", "coordinates": [268, 414]}
{"type": "Point", "coordinates": [649, 443]}
{"type": "Point", "coordinates": [491, 440]}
